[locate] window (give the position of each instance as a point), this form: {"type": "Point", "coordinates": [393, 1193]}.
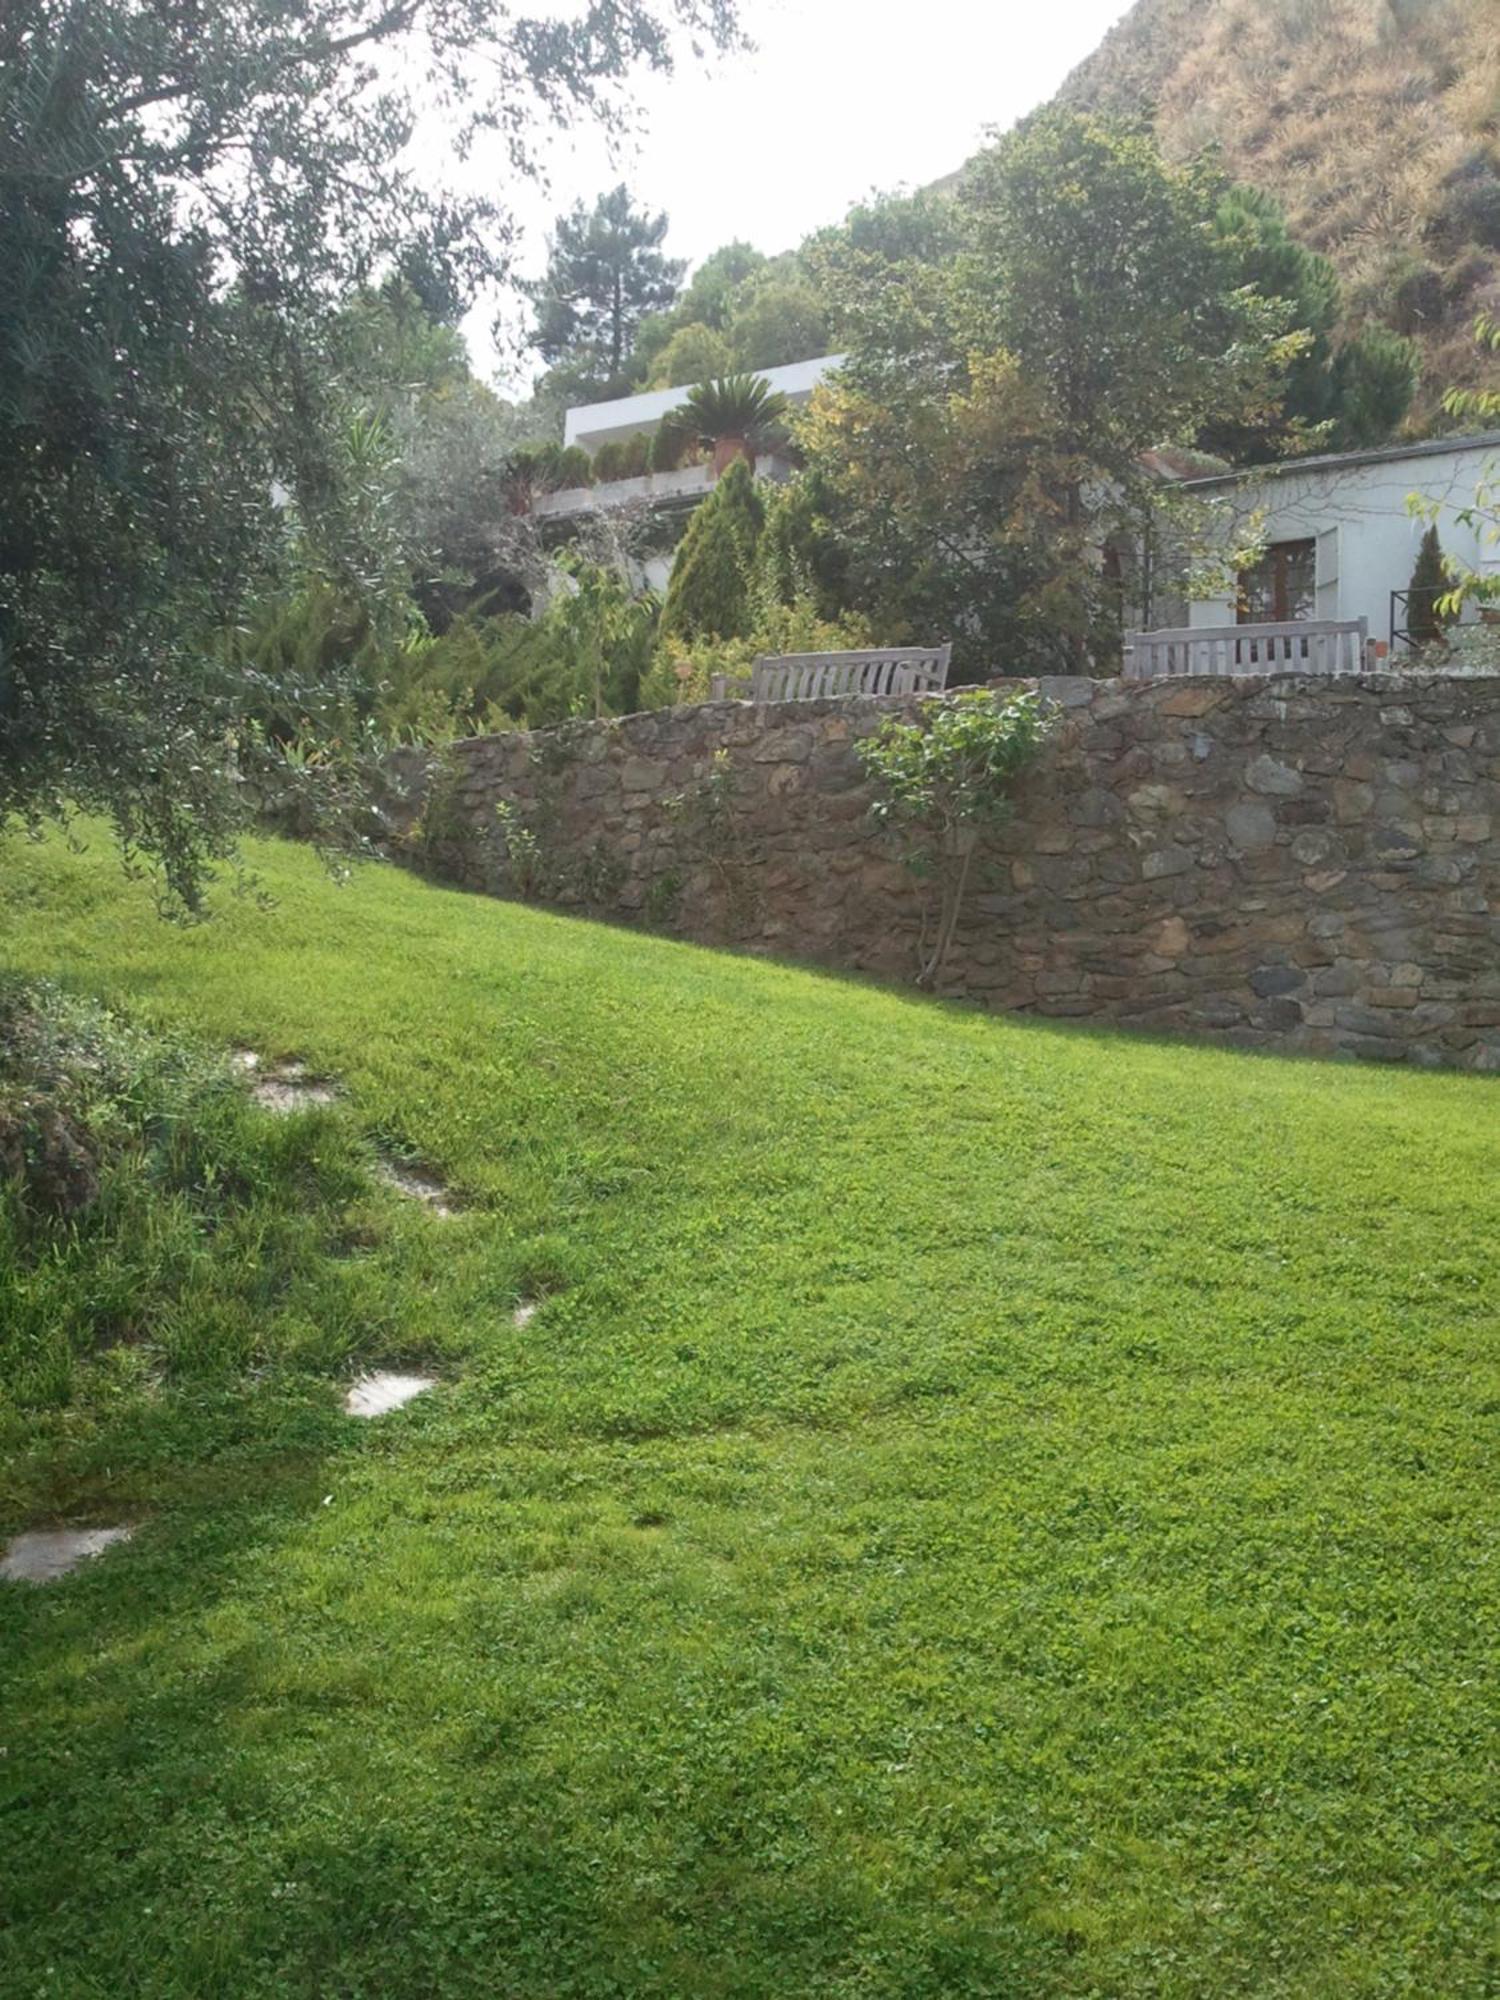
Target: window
{"type": "Point", "coordinates": [1283, 585]}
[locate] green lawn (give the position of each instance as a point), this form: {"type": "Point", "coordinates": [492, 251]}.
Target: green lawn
{"type": "Point", "coordinates": [983, 1508]}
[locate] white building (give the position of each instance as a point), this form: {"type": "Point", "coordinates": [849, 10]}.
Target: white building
{"type": "Point", "coordinates": [1339, 536]}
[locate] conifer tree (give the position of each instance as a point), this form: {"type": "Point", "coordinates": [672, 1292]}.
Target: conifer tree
{"type": "Point", "coordinates": [709, 594]}
{"type": "Point", "coordinates": [1429, 582]}
{"type": "Point", "coordinates": [606, 273]}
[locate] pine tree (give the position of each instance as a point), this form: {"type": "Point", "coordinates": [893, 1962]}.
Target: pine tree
{"type": "Point", "coordinates": [1429, 581]}
{"type": "Point", "coordinates": [709, 594]}
{"type": "Point", "coordinates": [606, 273]}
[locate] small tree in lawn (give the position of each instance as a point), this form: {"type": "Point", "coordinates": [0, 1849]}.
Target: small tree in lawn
{"type": "Point", "coordinates": [1426, 620]}
{"type": "Point", "coordinates": [939, 784]}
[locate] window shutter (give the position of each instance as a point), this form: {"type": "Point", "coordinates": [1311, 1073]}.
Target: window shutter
{"type": "Point", "coordinates": [1328, 573]}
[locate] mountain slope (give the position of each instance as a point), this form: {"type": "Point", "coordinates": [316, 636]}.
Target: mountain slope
{"type": "Point", "coordinates": [1376, 123]}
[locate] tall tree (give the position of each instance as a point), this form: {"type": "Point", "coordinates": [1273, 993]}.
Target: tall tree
{"type": "Point", "coordinates": [988, 434]}
{"type": "Point", "coordinates": [606, 272]}
{"type": "Point", "coordinates": [185, 196]}
{"type": "Point", "coordinates": [1335, 394]}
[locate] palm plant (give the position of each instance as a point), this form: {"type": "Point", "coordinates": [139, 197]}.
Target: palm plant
{"type": "Point", "coordinates": [735, 416]}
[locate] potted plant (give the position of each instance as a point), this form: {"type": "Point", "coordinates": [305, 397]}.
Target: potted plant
{"type": "Point", "coordinates": [736, 416]}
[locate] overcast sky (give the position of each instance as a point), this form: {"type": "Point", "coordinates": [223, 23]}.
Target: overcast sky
{"type": "Point", "coordinates": [840, 97]}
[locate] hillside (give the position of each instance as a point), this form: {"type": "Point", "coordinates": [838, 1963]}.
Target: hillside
{"type": "Point", "coordinates": [977, 1507]}
{"type": "Point", "coordinates": [1376, 123]}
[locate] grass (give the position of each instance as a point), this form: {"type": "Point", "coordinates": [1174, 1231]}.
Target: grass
{"type": "Point", "coordinates": [982, 1509]}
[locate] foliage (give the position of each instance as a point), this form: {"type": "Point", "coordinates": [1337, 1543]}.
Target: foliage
{"type": "Point", "coordinates": [1473, 406]}
{"type": "Point", "coordinates": [774, 320]}
{"type": "Point", "coordinates": [1339, 394]}
{"type": "Point", "coordinates": [684, 669]}
{"type": "Point", "coordinates": [193, 1201]}
{"type": "Point", "coordinates": [989, 430]}
{"type": "Point", "coordinates": [183, 205]}
{"type": "Point", "coordinates": [1425, 618]}
{"type": "Point", "coordinates": [586, 653]}
{"type": "Point", "coordinates": [1374, 378]}
{"type": "Point", "coordinates": [940, 782]}
{"type": "Point", "coordinates": [954, 1504]}
{"type": "Point", "coordinates": [623, 458]}
{"type": "Point", "coordinates": [605, 273]}
{"type": "Point", "coordinates": [534, 469]}
{"type": "Point", "coordinates": [709, 590]}
{"type": "Point", "coordinates": [695, 353]}
{"type": "Point", "coordinates": [1372, 122]}
{"type": "Point", "coordinates": [735, 409]}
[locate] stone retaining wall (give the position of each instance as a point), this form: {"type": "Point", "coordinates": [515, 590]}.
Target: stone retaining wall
{"type": "Point", "coordinates": [1297, 862]}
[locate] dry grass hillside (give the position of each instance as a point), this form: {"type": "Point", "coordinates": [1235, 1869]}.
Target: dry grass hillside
{"type": "Point", "coordinates": [1375, 122]}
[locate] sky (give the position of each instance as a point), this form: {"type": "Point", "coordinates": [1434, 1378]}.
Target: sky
{"type": "Point", "coordinates": [838, 99]}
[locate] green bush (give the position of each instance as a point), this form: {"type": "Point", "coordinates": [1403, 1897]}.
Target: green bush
{"type": "Point", "coordinates": [585, 654]}
{"type": "Point", "coordinates": [708, 596]}
{"type": "Point", "coordinates": [622, 458]}
{"type": "Point", "coordinates": [683, 670]}
{"type": "Point", "coordinates": [1430, 583]}
{"type": "Point", "coordinates": [940, 782]}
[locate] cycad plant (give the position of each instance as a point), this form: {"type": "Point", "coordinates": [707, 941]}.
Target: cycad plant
{"type": "Point", "coordinates": [736, 416]}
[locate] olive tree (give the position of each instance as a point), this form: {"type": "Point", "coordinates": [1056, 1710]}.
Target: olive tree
{"type": "Point", "coordinates": [186, 196]}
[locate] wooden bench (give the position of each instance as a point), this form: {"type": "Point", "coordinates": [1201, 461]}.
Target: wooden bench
{"type": "Point", "coordinates": [1306, 646]}
{"type": "Point", "coordinates": [812, 676]}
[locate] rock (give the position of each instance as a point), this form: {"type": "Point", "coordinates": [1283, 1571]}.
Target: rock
{"type": "Point", "coordinates": [1165, 861]}
{"type": "Point", "coordinates": [1272, 981]}
{"type": "Point", "coordinates": [45, 1554]}
{"type": "Point", "coordinates": [1265, 774]}
{"type": "Point", "coordinates": [1251, 825]}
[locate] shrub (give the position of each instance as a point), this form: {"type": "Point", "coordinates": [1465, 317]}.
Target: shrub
{"type": "Point", "coordinates": [683, 671]}
{"type": "Point", "coordinates": [1468, 208]}
{"type": "Point", "coordinates": [1418, 298]}
{"type": "Point", "coordinates": [1425, 619]}
{"type": "Point", "coordinates": [574, 467]}
{"type": "Point", "coordinates": [940, 782]}
{"type": "Point", "coordinates": [608, 459]}
{"type": "Point", "coordinates": [622, 458]}
{"type": "Point", "coordinates": [708, 596]}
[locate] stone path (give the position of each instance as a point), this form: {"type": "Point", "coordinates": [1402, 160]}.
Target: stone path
{"type": "Point", "coordinates": [48, 1553]}
{"type": "Point", "coordinates": [285, 1086]}
{"type": "Point", "coordinates": [373, 1394]}
{"type": "Point", "coordinates": [416, 1185]}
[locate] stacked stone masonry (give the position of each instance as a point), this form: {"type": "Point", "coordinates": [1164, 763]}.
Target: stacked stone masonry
{"type": "Point", "coordinates": [1300, 863]}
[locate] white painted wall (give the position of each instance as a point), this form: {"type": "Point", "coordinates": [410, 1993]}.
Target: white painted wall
{"type": "Point", "coordinates": [1356, 507]}
{"type": "Point", "coordinates": [593, 424]}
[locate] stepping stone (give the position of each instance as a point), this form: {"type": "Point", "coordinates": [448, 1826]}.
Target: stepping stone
{"type": "Point", "coordinates": [288, 1087]}
{"type": "Point", "coordinates": [48, 1553]}
{"type": "Point", "coordinates": [374, 1394]}
{"type": "Point", "coordinates": [416, 1185]}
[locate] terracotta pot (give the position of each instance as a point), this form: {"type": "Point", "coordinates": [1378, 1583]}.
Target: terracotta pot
{"type": "Point", "coordinates": [727, 450]}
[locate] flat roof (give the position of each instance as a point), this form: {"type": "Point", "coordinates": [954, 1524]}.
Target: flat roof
{"type": "Point", "coordinates": [1329, 460]}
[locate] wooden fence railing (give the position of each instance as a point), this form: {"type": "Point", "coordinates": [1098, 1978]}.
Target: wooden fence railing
{"type": "Point", "coordinates": [809, 676]}
{"type": "Point", "coordinates": [1309, 646]}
